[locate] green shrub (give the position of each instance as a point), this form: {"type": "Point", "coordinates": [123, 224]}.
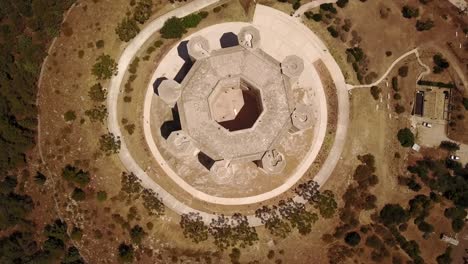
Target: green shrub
{"type": "Point", "coordinates": [97, 114]}
{"type": "Point", "coordinates": [101, 196]}
{"type": "Point", "coordinates": [133, 67]}
{"type": "Point", "coordinates": [109, 144]}
{"type": "Point", "coordinates": [296, 5]}
{"type": "Point", "coordinates": [143, 11]}
{"type": "Point", "coordinates": [191, 20]}
{"type": "Point", "coordinates": [406, 137]}
{"type": "Point", "coordinates": [69, 116]}
{"type": "Point", "coordinates": [104, 68]}
{"type": "Point", "coordinates": [127, 29]}
{"type": "Point", "coordinates": [76, 233]}
{"type": "Point", "coordinates": [100, 44]}
{"type": "Point", "coordinates": [97, 93]}
{"type": "Point", "coordinates": [397, 96]}
{"type": "Point", "coordinates": [465, 103]}
{"type": "Point", "coordinates": [395, 84]}
{"type": "Point", "coordinates": [173, 28]}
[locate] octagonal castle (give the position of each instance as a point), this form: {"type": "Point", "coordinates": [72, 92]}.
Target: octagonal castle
{"type": "Point", "coordinates": [235, 103]}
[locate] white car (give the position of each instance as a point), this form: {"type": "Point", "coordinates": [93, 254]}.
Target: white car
{"type": "Point", "coordinates": [453, 157]}
{"type": "Point", "coordinates": [426, 124]}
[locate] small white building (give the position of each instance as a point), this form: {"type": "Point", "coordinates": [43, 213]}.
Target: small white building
{"type": "Point", "coordinates": [449, 240]}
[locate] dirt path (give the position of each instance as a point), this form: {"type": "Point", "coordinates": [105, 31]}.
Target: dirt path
{"type": "Point", "coordinates": [306, 7]}
{"type": "Point", "coordinates": [402, 57]}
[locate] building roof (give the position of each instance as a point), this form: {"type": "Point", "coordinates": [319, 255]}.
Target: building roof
{"type": "Point", "coordinates": [257, 71]}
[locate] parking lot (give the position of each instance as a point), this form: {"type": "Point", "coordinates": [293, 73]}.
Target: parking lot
{"type": "Point", "coordinates": [431, 137]}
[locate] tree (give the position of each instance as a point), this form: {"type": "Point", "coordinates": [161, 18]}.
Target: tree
{"type": "Point", "coordinates": [425, 227]}
{"type": "Point", "coordinates": [126, 253]}
{"type": "Point", "coordinates": [104, 68]}
{"type": "Point", "coordinates": [333, 32]}
{"type": "Point", "coordinates": [406, 137]}
{"type": "Point", "coordinates": [172, 28]}
{"type": "Point", "coordinates": [375, 92]}
{"type": "Point", "coordinates": [152, 202]}
{"type": "Point", "coordinates": [352, 238]}
{"type": "Point", "coordinates": [270, 218]}
{"type": "Point", "coordinates": [242, 233]}
{"type": "Point", "coordinates": [78, 195]}
{"type": "Point", "coordinates": [410, 12]}
{"type": "Point", "coordinates": [194, 227]}
{"type": "Point", "coordinates": [127, 29]}
{"type": "Point", "coordinates": [309, 190]}
{"type": "Point", "coordinates": [97, 93]}
{"type": "Point", "coordinates": [58, 229]}
{"type": "Point", "coordinates": [440, 63]}
{"type": "Point", "coordinates": [75, 175]}
{"type": "Point", "coordinates": [393, 214]}
{"type": "Point", "coordinates": [342, 3]}
{"type": "Point", "coordinates": [73, 256]}
{"type": "Point", "coordinates": [445, 257]}
{"type": "Point", "coordinates": [326, 204]}
{"type": "Point", "coordinates": [221, 231]}
{"type": "Point", "coordinates": [109, 144]}
{"type": "Point", "coordinates": [422, 25]}
{"type": "Point", "coordinates": [449, 145]}
{"type": "Point", "coordinates": [137, 233]}
{"type": "Point", "coordinates": [40, 178]}
{"type": "Point", "coordinates": [297, 215]}
{"type": "Point", "coordinates": [143, 11]}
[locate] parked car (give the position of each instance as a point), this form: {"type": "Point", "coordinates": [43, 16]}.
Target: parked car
{"type": "Point", "coordinates": [453, 157]}
{"type": "Point", "coordinates": [426, 124]}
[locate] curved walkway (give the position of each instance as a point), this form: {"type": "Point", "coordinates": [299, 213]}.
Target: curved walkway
{"type": "Point", "coordinates": [262, 13]}
{"type": "Point", "coordinates": [305, 7]}
{"type": "Point", "coordinates": [413, 51]}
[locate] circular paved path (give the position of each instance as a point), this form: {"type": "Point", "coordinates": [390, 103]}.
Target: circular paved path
{"type": "Point", "coordinates": [276, 21]}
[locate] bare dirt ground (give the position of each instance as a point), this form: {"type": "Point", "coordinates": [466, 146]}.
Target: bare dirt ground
{"type": "Point", "coordinates": [67, 80]}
